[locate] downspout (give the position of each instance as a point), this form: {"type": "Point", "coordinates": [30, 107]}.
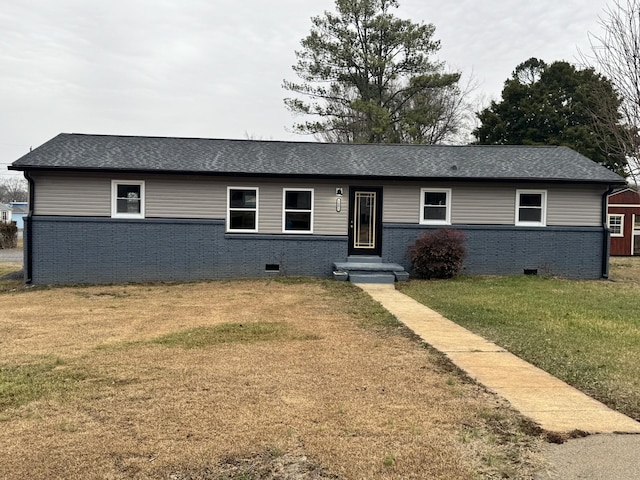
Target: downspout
{"type": "Point", "coordinates": [605, 233]}
{"type": "Point", "coordinates": [28, 244]}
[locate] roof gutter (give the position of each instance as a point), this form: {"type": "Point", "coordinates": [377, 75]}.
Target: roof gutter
{"type": "Point", "coordinates": [606, 237]}
{"type": "Point", "coordinates": [316, 176]}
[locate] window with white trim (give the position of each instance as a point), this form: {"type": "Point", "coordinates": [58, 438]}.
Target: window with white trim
{"type": "Point", "coordinates": [531, 208]}
{"type": "Point", "coordinates": [127, 198]}
{"type": "Point", "coordinates": [435, 206]}
{"type": "Point", "coordinates": [297, 210]}
{"type": "Point", "coordinates": [242, 209]}
{"type": "Point", "coordinates": [615, 222]}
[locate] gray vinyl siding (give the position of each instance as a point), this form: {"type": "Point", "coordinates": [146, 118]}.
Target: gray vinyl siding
{"type": "Point", "coordinates": [495, 204]}
{"type": "Point", "coordinates": [326, 221]}
{"type": "Point", "coordinates": [575, 205]}
{"type": "Point", "coordinates": [401, 204]}
{"type": "Point", "coordinates": [186, 197]}
{"type": "Point", "coordinates": [484, 205]}
{"type": "Point", "coordinates": [59, 194]}
{"type": "Point", "coordinates": [480, 204]}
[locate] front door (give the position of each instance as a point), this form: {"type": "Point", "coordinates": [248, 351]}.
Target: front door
{"type": "Point", "coordinates": [365, 221]}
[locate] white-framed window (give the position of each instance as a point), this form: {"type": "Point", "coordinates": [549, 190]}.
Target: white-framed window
{"type": "Point", "coordinates": [4, 216]}
{"type": "Point", "coordinates": [531, 208]}
{"type": "Point", "coordinates": [127, 198]}
{"type": "Point", "coordinates": [435, 206]}
{"type": "Point", "coordinates": [297, 210]}
{"type": "Point", "coordinates": [242, 209]}
{"type": "Point", "coordinates": [615, 222]}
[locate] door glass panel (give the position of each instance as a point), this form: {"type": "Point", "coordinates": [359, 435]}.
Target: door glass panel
{"type": "Point", "coordinates": [365, 220]}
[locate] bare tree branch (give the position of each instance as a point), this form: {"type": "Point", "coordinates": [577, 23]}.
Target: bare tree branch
{"type": "Point", "coordinates": [13, 189]}
{"type": "Point", "coordinates": [615, 53]}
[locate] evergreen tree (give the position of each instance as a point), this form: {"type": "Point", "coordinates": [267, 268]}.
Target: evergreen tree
{"type": "Point", "coordinates": [554, 104]}
{"type": "Point", "coordinates": [368, 77]}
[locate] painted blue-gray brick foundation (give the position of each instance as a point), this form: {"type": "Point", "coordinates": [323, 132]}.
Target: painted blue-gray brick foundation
{"type": "Point", "coordinates": [100, 250]}
{"type": "Point", "coordinates": [105, 250]}
{"type": "Point", "coordinates": [573, 252]}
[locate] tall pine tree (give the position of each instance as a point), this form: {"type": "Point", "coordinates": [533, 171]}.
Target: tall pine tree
{"type": "Point", "coordinates": [368, 77]}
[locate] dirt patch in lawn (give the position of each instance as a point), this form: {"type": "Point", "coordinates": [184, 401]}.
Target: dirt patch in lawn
{"type": "Point", "coordinates": [287, 381]}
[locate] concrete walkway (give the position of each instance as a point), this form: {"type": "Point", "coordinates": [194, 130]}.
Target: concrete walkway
{"type": "Point", "coordinates": [549, 402]}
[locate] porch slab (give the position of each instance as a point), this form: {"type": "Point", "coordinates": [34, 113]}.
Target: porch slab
{"type": "Point", "coordinates": [368, 266]}
{"type": "Point", "coordinates": [370, 270]}
{"type": "Point", "coordinates": [370, 277]}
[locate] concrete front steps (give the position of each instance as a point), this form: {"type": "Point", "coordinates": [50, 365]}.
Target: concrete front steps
{"type": "Point", "coordinates": [365, 269]}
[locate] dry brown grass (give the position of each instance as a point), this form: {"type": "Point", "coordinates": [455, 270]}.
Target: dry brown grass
{"type": "Point", "coordinates": [9, 267]}
{"type": "Point", "coordinates": [11, 278]}
{"type": "Point", "coordinates": [625, 269]}
{"type": "Point", "coordinates": [329, 399]}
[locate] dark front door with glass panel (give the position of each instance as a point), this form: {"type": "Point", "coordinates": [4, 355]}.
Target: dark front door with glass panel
{"type": "Point", "coordinates": [365, 221]}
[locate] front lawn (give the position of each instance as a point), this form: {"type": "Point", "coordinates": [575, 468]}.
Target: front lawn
{"type": "Point", "coordinates": [238, 380]}
{"type": "Point", "coordinates": [11, 277]}
{"type": "Point", "coordinates": [585, 332]}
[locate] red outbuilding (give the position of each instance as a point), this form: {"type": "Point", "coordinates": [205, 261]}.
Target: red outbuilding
{"type": "Point", "coordinates": [623, 219]}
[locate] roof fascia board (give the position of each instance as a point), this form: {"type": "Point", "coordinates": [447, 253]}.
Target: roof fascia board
{"type": "Point", "coordinates": [317, 176]}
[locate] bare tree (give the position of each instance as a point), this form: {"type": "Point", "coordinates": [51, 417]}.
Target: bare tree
{"type": "Point", "coordinates": [615, 53]}
{"type": "Point", "coordinates": [13, 189]}
{"type": "Point", "coordinates": [254, 136]}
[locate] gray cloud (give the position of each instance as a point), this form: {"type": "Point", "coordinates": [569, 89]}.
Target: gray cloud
{"type": "Point", "coordinates": [214, 68]}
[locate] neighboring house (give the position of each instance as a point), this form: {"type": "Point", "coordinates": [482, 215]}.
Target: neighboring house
{"type": "Point", "coordinates": [19, 210]}
{"type": "Point", "coordinates": [623, 219]}
{"type": "Point", "coordinates": [118, 208]}
{"type": "Point", "coordinates": [5, 213]}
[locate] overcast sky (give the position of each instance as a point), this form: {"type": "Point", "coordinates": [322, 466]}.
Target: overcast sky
{"type": "Point", "coordinates": [214, 68]}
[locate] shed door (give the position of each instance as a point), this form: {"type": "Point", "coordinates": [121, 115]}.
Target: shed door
{"type": "Point", "coordinates": [365, 221]}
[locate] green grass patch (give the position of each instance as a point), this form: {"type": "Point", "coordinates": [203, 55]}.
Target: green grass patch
{"type": "Point", "coordinates": [584, 332]}
{"type": "Point", "coordinates": [232, 333]}
{"type": "Point", "coordinates": [25, 383]}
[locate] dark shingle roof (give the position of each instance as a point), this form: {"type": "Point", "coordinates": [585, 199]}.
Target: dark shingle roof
{"type": "Point", "coordinates": [19, 209]}
{"type": "Point", "coordinates": [274, 158]}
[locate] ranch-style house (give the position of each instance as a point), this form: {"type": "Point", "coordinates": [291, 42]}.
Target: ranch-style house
{"type": "Point", "coordinates": [106, 208]}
